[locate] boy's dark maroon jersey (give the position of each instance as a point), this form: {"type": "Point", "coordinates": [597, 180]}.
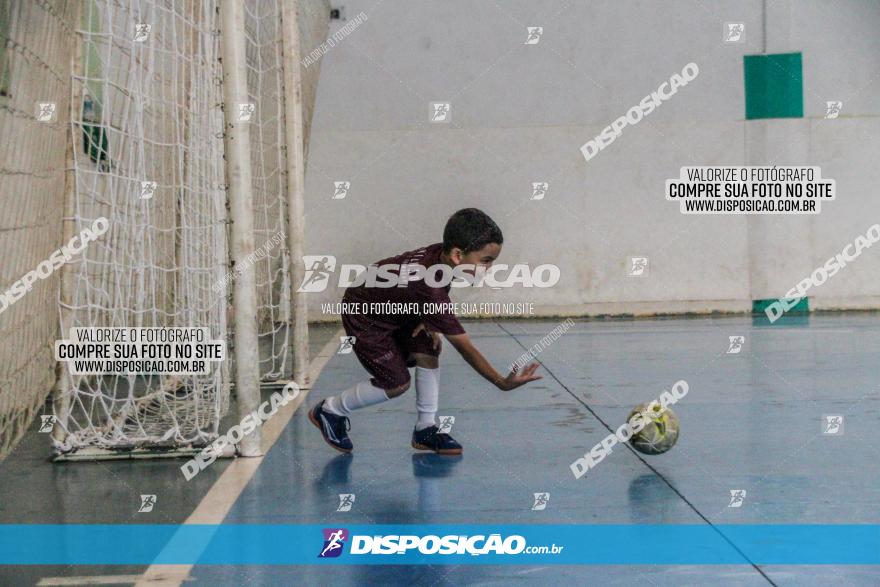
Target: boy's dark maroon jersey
{"type": "Point", "coordinates": [416, 293]}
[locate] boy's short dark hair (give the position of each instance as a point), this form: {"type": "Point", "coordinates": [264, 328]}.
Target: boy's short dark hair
{"type": "Point", "coordinates": [470, 230]}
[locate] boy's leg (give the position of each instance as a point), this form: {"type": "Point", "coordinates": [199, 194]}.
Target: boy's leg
{"type": "Point", "coordinates": [427, 381]}
{"type": "Point", "coordinates": [426, 435]}
{"type": "Point", "coordinates": [426, 359]}
{"type": "Point", "coordinates": [383, 358]}
{"type": "Point", "coordinates": [331, 415]}
{"type": "Point", "coordinates": [362, 395]}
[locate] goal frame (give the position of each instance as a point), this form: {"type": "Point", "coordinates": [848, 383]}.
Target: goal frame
{"type": "Point", "coordinates": [240, 199]}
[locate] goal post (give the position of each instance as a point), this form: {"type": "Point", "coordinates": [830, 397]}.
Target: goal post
{"type": "Point", "coordinates": [295, 146]}
{"type": "Point", "coordinates": [237, 112]}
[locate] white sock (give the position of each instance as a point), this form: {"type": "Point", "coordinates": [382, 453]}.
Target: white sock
{"type": "Point", "coordinates": [362, 395]}
{"type": "Point", "coordinates": [427, 396]}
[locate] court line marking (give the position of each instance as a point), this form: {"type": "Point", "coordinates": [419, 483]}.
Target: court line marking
{"type": "Point", "coordinates": [217, 502]}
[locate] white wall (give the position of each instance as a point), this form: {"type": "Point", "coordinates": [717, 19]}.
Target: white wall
{"type": "Point", "coordinates": [521, 112]}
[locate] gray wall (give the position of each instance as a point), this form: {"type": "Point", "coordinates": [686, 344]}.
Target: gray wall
{"type": "Point", "coordinates": [521, 112]}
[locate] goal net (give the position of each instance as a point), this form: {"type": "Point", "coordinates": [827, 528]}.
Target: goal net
{"type": "Point", "coordinates": [148, 155]}
{"type": "Point", "coordinates": [147, 128]}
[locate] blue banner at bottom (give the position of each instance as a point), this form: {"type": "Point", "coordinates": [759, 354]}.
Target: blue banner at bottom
{"type": "Point", "coordinates": [261, 544]}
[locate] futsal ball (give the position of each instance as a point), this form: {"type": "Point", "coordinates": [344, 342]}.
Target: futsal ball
{"type": "Point", "coordinates": [660, 430]}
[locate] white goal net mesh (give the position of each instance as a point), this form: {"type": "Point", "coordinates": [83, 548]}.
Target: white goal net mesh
{"type": "Point", "coordinates": [147, 112]}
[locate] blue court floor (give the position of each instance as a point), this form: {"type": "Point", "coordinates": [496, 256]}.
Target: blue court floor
{"type": "Point", "coordinates": [752, 421]}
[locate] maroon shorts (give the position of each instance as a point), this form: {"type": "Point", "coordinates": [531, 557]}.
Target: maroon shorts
{"type": "Point", "coordinates": [385, 353]}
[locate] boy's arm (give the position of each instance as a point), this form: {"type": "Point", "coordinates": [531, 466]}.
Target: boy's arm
{"type": "Point", "coordinates": [463, 344]}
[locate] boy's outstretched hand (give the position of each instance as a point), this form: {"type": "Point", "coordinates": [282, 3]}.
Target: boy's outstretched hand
{"type": "Point", "coordinates": [516, 378]}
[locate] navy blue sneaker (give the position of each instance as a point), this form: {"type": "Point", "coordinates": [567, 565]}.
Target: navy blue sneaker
{"type": "Point", "coordinates": [432, 439]}
{"type": "Point", "coordinates": [333, 428]}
